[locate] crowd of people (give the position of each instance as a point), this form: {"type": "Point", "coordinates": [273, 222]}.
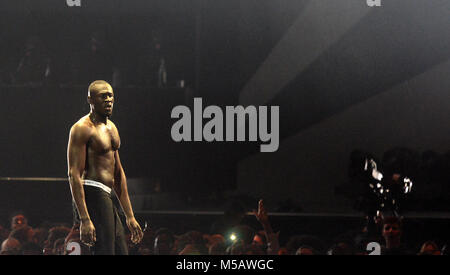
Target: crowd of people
{"type": "Point", "coordinates": [382, 236]}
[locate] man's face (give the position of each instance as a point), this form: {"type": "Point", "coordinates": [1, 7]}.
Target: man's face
{"type": "Point", "coordinates": [391, 231]}
{"type": "Point", "coordinates": [102, 100]}
{"type": "Point", "coordinates": [18, 221]}
{"type": "Point", "coordinates": [258, 240]}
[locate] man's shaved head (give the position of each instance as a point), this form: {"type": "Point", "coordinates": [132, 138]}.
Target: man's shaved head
{"type": "Point", "coordinates": [97, 86]}
{"type": "Point", "coordinates": [101, 98]}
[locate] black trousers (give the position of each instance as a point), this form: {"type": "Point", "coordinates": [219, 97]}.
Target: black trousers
{"type": "Point", "coordinates": [110, 235]}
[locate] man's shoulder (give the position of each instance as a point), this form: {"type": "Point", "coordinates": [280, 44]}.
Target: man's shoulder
{"type": "Point", "coordinates": [112, 124]}
{"type": "Point", "coordinates": [82, 126]}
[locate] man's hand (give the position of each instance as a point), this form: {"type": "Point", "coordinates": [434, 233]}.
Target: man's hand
{"type": "Point", "coordinates": [261, 214]}
{"type": "Point", "coordinates": [87, 233]}
{"type": "Point", "coordinates": [135, 229]}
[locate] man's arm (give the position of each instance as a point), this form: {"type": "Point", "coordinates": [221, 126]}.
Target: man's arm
{"type": "Point", "coordinates": [121, 189]}
{"type": "Point", "coordinates": [273, 244]}
{"type": "Point", "coordinates": [76, 159]}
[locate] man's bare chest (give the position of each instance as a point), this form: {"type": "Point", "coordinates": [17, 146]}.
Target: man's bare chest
{"type": "Point", "coordinates": [104, 139]}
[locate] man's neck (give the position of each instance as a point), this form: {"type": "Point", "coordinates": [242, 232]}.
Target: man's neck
{"type": "Point", "coordinates": [98, 119]}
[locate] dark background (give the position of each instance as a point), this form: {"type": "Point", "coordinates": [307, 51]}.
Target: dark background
{"type": "Point", "coordinates": [377, 79]}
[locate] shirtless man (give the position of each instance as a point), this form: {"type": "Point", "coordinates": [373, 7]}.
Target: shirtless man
{"type": "Point", "coordinates": [94, 169]}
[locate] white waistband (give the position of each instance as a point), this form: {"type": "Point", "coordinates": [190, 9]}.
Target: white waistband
{"type": "Point", "coordinates": [98, 184]}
